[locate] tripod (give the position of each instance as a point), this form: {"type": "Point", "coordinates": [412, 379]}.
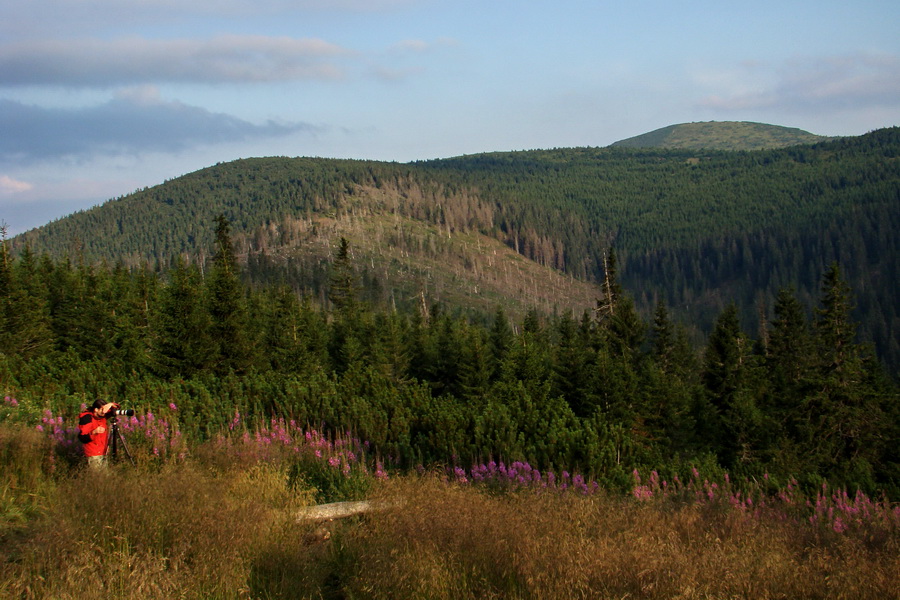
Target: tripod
{"type": "Point", "coordinates": [115, 438]}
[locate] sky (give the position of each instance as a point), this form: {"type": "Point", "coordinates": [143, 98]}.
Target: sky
{"type": "Point", "coordinates": [99, 98]}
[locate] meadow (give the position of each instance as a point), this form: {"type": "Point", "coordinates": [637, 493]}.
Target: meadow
{"type": "Point", "coordinates": [219, 519]}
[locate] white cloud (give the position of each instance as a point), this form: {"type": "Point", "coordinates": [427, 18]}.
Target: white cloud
{"type": "Point", "coordinates": [10, 186]}
{"type": "Point", "coordinates": [225, 58]}
{"type": "Point", "coordinates": [854, 81]}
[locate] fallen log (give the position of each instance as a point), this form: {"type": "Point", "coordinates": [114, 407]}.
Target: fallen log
{"type": "Point", "coordinates": [339, 510]}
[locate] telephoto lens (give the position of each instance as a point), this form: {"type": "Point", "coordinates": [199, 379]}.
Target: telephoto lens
{"type": "Point", "coordinates": [125, 412]}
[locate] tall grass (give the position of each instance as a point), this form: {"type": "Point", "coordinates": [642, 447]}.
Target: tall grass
{"type": "Point", "coordinates": [188, 529]}
{"type": "Point", "coordinates": [218, 521]}
{"type": "Point", "coordinates": [458, 542]}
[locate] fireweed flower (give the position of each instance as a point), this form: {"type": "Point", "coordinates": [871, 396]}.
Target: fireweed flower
{"type": "Point", "coordinates": [460, 475]}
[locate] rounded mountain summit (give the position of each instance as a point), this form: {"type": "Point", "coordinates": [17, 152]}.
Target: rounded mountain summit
{"type": "Point", "coordinates": [722, 135]}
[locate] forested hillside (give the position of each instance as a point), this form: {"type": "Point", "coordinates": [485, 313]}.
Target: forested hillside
{"type": "Point", "coordinates": [695, 229]}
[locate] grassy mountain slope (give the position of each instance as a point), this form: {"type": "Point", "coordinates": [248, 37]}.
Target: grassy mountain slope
{"type": "Point", "coordinates": [697, 230]}
{"type": "Point", "coordinates": [413, 240]}
{"type": "Point", "coordinates": [726, 135]}
{"type": "Point", "coordinates": [406, 262]}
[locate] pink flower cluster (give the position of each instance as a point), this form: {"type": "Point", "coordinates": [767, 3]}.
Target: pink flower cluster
{"type": "Point", "coordinates": [144, 432]}
{"type": "Point", "coordinates": [279, 436]}
{"type": "Point", "coordinates": [520, 475]}
{"type": "Point", "coordinates": [161, 438]}
{"type": "Point", "coordinates": [65, 437]}
{"type": "Point", "coordinates": [839, 512]}
{"type": "Point", "coordinates": [835, 511]}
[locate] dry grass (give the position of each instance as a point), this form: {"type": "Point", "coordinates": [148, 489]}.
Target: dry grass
{"type": "Point", "coordinates": [184, 532]}
{"type": "Point", "coordinates": [453, 542]}
{"type": "Point", "coordinates": [210, 530]}
{"type": "Point", "coordinates": [24, 458]}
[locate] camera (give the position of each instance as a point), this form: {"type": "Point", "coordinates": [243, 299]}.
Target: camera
{"type": "Point", "coordinates": [123, 412]}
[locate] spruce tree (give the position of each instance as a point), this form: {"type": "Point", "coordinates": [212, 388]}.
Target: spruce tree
{"type": "Point", "coordinates": [789, 363]}
{"type": "Point", "coordinates": [670, 380]}
{"type": "Point", "coordinates": [181, 344]}
{"type": "Point", "coordinates": [282, 335]}
{"type": "Point", "coordinates": [618, 324]}
{"type": "Point", "coordinates": [65, 297]}
{"type": "Point", "coordinates": [347, 345]}
{"type": "Point", "coordinates": [226, 306]}
{"type": "Point", "coordinates": [572, 365]}
{"type": "Point", "coordinates": [447, 339]}
{"type": "Point", "coordinates": [730, 381]}
{"type": "Point", "coordinates": [24, 314]}
{"type": "Point", "coordinates": [344, 290]}
{"type": "Point", "coordinates": [474, 366]}
{"type": "Point", "coordinates": [618, 336]}
{"type": "Point", "coordinates": [663, 337]}
{"type": "Point", "coordinates": [389, 338]}
{"type": "Point", "coordinates": [499, 341]}
{"type": "Point", "coordinates": [844, 416]}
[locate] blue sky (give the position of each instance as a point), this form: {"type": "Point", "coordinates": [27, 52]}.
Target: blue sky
{"type": "Point", "coordinates": [101, 97]}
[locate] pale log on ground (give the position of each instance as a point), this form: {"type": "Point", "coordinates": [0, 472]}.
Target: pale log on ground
{"type": "Point", "coordinates": [339, 510]}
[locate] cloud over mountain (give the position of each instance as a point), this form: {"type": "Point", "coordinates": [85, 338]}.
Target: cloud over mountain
{"type": "Point", "coordinates": [134, 122]}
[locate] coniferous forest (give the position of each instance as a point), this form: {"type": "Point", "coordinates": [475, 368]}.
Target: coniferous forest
{"type": "Point", "coordinates": [693, 229]}
{"type": "Point", "coordinates": [603, 392]}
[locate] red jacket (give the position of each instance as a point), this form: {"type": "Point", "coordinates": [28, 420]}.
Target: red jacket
{"type": "Point", "coordinates": [94, 443]}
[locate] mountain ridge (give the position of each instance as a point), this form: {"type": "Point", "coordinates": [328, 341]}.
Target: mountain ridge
{"type": "Point", "coordinates": [722, 135]}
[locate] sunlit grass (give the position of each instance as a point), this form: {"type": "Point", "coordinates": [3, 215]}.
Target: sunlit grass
{"type": "Point", "coordinates": [540, 544]}
{"type": "Point", "coordinates": [219, 520]}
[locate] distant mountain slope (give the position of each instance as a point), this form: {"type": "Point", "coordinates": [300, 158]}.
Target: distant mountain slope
{"type": "Point", "coordinates": [696, 229]}
{"type": "Point", "coordinates": [722, 135]}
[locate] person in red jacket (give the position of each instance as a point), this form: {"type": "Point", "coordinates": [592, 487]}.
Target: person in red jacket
{"type": "Point", "coordinates": [94, 432]}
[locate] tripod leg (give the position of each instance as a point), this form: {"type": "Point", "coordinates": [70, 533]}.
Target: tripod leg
{"type": "Point", "coordinates": [111, 447]}
{"type": "Point", "coordinates": [125, 446]}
